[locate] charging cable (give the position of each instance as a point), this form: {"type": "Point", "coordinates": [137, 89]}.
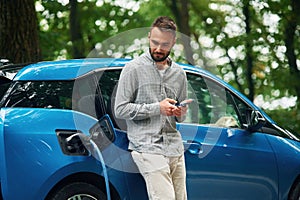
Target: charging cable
{"type": "Point", "coordinates": [86, 140]}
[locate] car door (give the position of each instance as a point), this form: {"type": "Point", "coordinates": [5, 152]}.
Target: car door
{"type": "Point", "coordinates": [223, 159]}
{"type": "Point", "coordinates": [117, 157]}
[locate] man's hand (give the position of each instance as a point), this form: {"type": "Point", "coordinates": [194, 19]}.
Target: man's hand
{"type": "Point", "coordinates": [167, 106]}
{"type": "Point", "coordinates": [180, 110]}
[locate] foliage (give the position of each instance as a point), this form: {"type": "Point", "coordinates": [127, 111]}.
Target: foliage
{"type": "Point", "coordinates": [288, 118]}
{"type": "Point", "coordinates": [98, 22]}
{"type": "Point", "coordinates": [218, 32]}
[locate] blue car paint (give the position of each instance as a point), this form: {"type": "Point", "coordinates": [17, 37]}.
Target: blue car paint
{"type": "Point", "coordinates": [27, 148]}
{"type": "Point", "coordinates": [230, 175]}
{"type": "Point", "coordinates": [67, 69]}
{"type": "Point", "coordinates": [31, 149]}
{"type": "Point", "coordinates": [287, 153]}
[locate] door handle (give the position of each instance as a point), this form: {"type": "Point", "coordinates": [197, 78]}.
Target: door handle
{"type": "Point", "coordinates": [193, 147]}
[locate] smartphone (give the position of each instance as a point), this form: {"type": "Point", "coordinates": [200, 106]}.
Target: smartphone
{"type": "Point", "coordinates": [184, 103]}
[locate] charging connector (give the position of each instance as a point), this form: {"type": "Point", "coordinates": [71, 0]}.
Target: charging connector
{"type": "Point", "coordinates": [94, 150]}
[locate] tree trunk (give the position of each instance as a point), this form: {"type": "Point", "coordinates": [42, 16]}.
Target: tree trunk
{"type": "Point", "coordinates": [19, 31]}
{"type": "Point", "coordinates": [180, 10]}
{"type": "Point", "coordinates": [290, 31]}
{"type": "Point", "coordinates": [75, 31]}
{"type": "Point", "coordinates": [248, 49]}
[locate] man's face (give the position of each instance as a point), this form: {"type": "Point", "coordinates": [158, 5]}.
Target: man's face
{"type": "Point", "coordinates": [161, 43]}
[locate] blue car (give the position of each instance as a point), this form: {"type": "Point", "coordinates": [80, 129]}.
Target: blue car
{"type": "Point", "coordinates": [59, 138]}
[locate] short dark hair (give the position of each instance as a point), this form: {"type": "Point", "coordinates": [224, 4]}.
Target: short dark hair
{"type": "Point", "coordinates": [165, 23]}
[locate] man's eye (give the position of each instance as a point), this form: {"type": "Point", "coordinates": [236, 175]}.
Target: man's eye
{"type": "Point", "coordinates": [155, 43]}
{"type": "Point", "coordinates": [163, 45]}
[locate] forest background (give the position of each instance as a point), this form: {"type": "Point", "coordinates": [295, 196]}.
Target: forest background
{"type": "Point", "coordinates": [251, 44]}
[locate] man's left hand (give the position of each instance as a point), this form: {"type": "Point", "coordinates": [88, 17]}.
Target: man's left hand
{"type": "Point", "coordinates": [179, 111]}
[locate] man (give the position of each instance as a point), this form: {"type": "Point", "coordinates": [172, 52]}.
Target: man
{"type": "Point", "coordinates": [148, 89]}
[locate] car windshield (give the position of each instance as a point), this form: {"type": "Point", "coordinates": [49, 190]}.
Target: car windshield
{"type": "Point", "coordinates": [40, 94]}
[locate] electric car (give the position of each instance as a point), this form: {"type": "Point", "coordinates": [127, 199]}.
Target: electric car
{"type": "Point", "coordinates": [60, 139]}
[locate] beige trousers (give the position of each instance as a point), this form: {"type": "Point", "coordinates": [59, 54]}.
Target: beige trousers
{"type": "Point", "coordinates": [165, 177]}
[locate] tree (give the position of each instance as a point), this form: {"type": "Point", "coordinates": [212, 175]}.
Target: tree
{"type": "Point", "coordinates": [248, 49]}
{"type": "Point", "coordinates": [75, 31]}
{"type": "Point", "coordinates": [19, 31]}
{"type": "Point", "coordinates": [80, 25]}
{"type": "Point", "coordinates": [180, 9]}
{"type": "Point", "coordinates": [290, 24]}
{"type": "Point", "coordinates": [231, 38]}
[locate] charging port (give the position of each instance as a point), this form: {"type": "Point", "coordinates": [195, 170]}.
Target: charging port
{"type": "Point", "coordinates": [73, 146]}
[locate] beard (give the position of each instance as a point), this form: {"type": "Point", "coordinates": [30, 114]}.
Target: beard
{"type": "Point", "coordinates": [161, 57]}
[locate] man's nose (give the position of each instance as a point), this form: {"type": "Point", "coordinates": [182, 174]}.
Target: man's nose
{"type": "Point", "coordinates": [159, 47]}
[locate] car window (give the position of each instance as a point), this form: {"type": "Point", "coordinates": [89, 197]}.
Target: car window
{"type": "Point", "coordinates": [77, 95]}
{"type": "Point", "coordinates": [3, 89]}
{"type": "Point", "coordinates": [214, 105]}
{"type": "Point", "coordinates": [80, 94]}
{"type": "Point", "coordinates": [40, 94]}
{"type": "Point", "coordinates": [108, 80]}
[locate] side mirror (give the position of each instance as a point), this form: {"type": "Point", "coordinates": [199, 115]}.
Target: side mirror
{"type": "Point", "coordinates": [255, 120]}
{"type": "Point", "coordinates": [103, 133]}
